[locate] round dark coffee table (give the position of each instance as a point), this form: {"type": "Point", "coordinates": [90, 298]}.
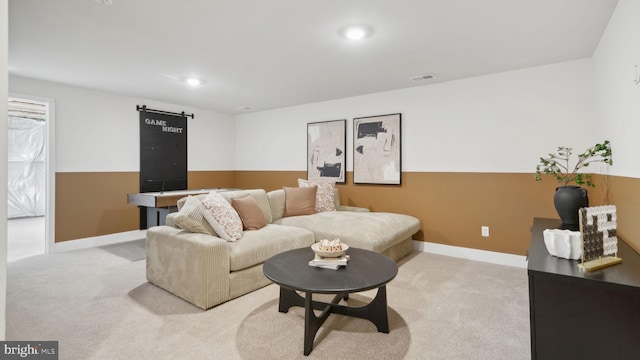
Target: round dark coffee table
{"type": "Point", "coordinates": [365, 270]}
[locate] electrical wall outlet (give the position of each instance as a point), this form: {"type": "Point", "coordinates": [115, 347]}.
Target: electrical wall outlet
{"type": "Point", "coordinates": [485, 231]}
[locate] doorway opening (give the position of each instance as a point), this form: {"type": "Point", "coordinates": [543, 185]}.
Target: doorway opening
{"type": "Point", "coordinates": [29, 173]}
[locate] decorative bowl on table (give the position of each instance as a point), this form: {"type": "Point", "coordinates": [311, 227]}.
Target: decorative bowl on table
{"type": "Point", "coordinates": [322, 250]}
{"type": "Point", "coordinates": [564, 244]}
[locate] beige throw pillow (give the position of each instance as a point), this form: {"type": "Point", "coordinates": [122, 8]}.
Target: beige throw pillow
{"type": "Point", "coordinates": [191, 217]}
{"type": "Point", "coordinates": [299, 201]}
{"type": "Point", "coordinates": [325, 196]}
{"type": "Point", "coordinates": [250, 213]}
{"type": "Point", "coordinates": [227, 222]}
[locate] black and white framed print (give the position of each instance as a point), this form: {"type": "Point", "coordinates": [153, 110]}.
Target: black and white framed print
{"type": "Point", "coordinates": [326, 143]}
{"type": "Point", "coordinates": [377, 150]}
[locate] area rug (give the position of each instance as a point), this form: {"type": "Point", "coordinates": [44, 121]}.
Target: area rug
{"type": "Point", "coordinates": [98, 305]}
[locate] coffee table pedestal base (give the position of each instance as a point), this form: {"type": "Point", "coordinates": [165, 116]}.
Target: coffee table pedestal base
{"type": "Point", "coordinates": [375, 311]}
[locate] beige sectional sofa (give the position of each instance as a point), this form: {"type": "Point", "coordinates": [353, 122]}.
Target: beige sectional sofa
{"type": "Point", "coordinates": [207, 270]}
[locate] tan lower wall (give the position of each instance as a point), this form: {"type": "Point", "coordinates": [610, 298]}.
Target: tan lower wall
{"type": "Point", "coordinates": [451, 206]}
{"type": "Point", "coordinates": [268, 180]}
{"type": "Point", "coordinates": [624, 193]}
{"type": "Point", "coordinates": [211, 179]}
{"type": "Point", "coordinates": [95, 203]}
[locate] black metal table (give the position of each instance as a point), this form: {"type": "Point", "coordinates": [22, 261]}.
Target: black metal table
{"type": "Point", "coordinates": [366, 270]}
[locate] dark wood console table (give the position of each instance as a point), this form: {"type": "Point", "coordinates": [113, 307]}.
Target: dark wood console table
{"type": "Point", "coordinates": [582, 315]}
{"type": "Point", "coordinates": [161, 203]}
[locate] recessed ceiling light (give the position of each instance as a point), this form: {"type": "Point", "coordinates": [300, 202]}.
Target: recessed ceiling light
{"type": "Point", "coordinates": [356, 32]}
{"type": "Point", "coordinates": [104, 2]}
{"type": "Point", "coordinates": [193, 81]}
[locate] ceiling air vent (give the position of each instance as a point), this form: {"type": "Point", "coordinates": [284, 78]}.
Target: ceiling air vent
{"type": "Point", "coordinates": [422, 77]}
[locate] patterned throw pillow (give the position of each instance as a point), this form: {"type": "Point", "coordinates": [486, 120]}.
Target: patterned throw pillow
{"type": "Point", "coordinates": [324, 195]}
{"type": "Point", "coordinates": [191, 217]}
{"type": "Point", "coordinates": [227, 224]}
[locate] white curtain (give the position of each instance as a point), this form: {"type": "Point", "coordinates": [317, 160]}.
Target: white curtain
{"type": "Point", "coordinates": [26, 170]}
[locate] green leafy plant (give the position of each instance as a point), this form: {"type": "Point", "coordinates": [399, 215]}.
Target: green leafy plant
{"type": "Point", "coordinates": [557, 164]}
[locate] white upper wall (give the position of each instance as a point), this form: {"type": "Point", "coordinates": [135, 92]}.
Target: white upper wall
{"type": "Point", "coordinates": [618, 96]}
{"type": "Point", "coordinates": [100, 132]}
{"type": "Point", "coordinates": [496, 123]}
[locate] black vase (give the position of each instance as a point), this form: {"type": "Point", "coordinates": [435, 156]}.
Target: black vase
{"type": "Point", "coordinates": [568, 199]}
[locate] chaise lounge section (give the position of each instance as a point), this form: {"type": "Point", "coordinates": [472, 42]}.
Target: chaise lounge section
{"type": "Point", "coordinates": [387, 233]}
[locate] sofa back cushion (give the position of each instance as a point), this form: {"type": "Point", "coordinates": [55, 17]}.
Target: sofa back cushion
{"type": "Point", "coordinates": [258, 194]}
{"type": "Point", "coordinates": [277, 203]}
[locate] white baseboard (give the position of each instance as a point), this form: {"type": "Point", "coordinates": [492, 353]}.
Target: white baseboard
{"type": "Point", "coordinates": [471, 254]}
{"type": "Point", "coordinates": [99, 241]}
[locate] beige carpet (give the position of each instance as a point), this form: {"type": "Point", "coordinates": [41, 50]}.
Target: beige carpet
{"type": "Point", "coordinates": [98, 305]}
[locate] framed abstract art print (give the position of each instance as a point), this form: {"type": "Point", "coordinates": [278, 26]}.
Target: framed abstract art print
{"type": "Point", "coordinates": [377, 150]}
{"type": "Point", "coordinates": [326, 143]}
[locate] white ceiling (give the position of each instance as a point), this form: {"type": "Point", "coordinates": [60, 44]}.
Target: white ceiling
{"type": "Point", "coordinates": [267, 54]}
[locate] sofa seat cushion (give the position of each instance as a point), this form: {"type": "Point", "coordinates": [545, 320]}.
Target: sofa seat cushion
{"type": "Point", "coordinates": [256, 246]}
{"type": "Point", "coordinates": [376, 231]}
